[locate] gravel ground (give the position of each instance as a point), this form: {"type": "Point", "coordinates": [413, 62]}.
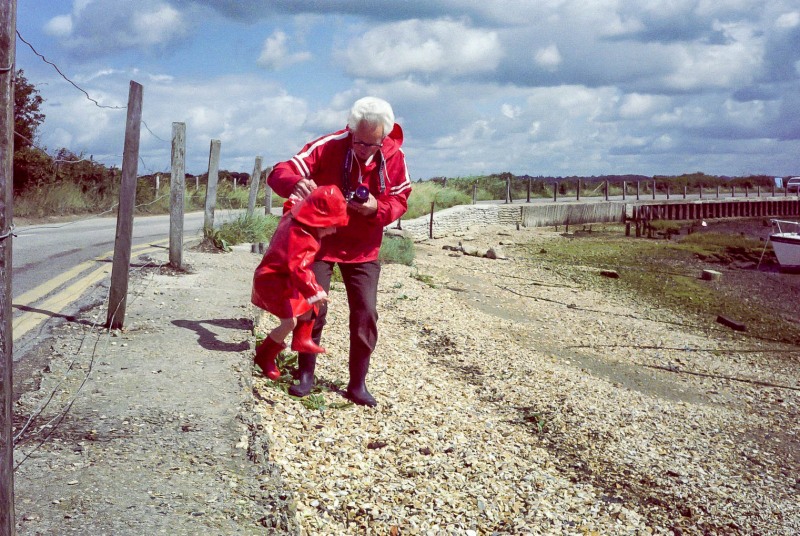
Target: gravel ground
{"type": "Point", "coordinates": [513, 399]}
{"type": "Point", "coordinates": [516, 400]}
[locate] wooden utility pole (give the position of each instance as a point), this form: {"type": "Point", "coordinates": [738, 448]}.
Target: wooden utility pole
{"type": "Point", "coordinates": [177, 183]}
{"type": "Point", "coordinates": [118, 294]}
{"type": "Point", "coordinates": [255, 179]}
{"type": "Point", "coordinates": [8, 24]}
{"type": "Point", "coordinates": [211, 187]}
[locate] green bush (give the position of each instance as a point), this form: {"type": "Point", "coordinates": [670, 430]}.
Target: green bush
{"type": "Point", "coordinates": [397, 250]}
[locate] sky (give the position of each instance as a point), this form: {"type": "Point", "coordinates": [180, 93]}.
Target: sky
{"type": "Point", "coordinates": [536, 87]}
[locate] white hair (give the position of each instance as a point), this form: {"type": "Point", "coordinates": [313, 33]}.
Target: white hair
{"type": "Point", "coordinates": [372, 111]}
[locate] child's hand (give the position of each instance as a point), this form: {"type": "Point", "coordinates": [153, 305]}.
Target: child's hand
{"type": "Point", "coordinates": [320, 296]}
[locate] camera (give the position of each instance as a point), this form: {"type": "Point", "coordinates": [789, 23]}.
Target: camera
{"type": "Point", "coordinates": [360, 195]}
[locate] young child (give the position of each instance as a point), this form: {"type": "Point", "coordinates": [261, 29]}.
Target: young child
{"type": "Point", "coordinates": [283, 283]}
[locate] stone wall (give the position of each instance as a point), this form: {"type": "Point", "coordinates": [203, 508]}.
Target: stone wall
{"type": "Point", "coordinates": [462, 218]}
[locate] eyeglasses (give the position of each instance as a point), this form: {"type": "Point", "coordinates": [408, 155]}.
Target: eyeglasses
{"type": "Point", "coordinates": [365, 144]}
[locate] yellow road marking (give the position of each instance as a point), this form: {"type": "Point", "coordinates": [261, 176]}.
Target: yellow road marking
{"type": "Point", "coordinates": [28, 320]}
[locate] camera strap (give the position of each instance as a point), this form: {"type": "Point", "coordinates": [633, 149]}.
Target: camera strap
{"type": "Point", "coordinates": [348, 163]}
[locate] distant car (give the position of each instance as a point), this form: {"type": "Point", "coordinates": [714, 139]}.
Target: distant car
{"type": "Point", "coordinates": [793, 184]}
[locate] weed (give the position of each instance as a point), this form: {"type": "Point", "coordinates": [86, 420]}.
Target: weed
{"type": "Point", "coordinates": [424, 278]}
{"type": "Point", "coordinates": [214, 237]}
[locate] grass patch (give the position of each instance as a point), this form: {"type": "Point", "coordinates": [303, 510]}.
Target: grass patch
{"type": "Point", "coordinates": [666, 274]}
{"type": "Point", "coordinates": [396, 250]}
{"type": "Point", "coordinates": [245, 229]}
{"type": "Point", "coordinates": [425, 193]}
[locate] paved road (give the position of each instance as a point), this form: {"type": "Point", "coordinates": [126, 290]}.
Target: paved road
{"type": "Point", "coordinates": [53, 265]}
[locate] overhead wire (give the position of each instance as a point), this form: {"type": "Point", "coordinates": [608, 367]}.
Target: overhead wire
{"type": "Point", "coordinates": [67, 78]}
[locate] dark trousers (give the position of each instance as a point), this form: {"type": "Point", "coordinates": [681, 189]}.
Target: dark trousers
{"type": "Point", "coordinates": [361, 283]}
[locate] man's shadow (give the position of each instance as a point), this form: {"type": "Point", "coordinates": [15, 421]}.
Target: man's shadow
{"type": "Point", "coordinates": [208, 339]}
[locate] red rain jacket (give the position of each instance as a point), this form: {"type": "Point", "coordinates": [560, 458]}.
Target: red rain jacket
{"type": "Point", "coordinates": [323, 160]}
{"type": "Point", "coordinates": [283, 281]}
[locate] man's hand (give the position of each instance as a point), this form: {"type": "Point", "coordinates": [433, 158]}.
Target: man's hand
{"type": "Point", "coordinates": [303, 187]}
{"type": "Point", "coordinates": [367, 208]}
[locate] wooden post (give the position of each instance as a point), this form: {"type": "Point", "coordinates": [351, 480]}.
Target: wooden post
{"type": "Point", "coordinates": [176, 187]}
{"type": "Point", "coordinates": [555, 192]}
{"type": "Point", "coordinates": [701, 192]}
{"type": "Point", "coordinates": [267, 198]}
{"type": "Point", "coordinates": [624, 189]}
{"type": "Point", "coordinates": [430, 225]}
{"type": "Point", "coordinates": [118, 294]}
{"type": "Point", "coordinates": [255, 179]}
{"type": "Point", "coordinates": [8, 24]}
{"type": "Point", "coordinates": [717, 191]}
{"type": "Point", "coordinates": [733, 191]}
{"type": "Point", "coordinates": [211, 187]}
{"type": "Point", "coordinates": [637, 191]}
{"type": "Point", "coordinates": [654, 189]}
{"type": "Point", "coordinates": [529, 190]}
{"type": "Point", "coordinates": [508, 190]}
{"type": "Point", "coordinates": [474, 193]}
{"type": "Point", "coordinates": [578, 193]}
{"type": "Point", "coordinates": [668, 191]}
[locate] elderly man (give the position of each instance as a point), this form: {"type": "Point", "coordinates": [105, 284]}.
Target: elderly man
{"type": "Point", "coordinates": [366, 162]}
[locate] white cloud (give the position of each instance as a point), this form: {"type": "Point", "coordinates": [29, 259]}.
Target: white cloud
{"type": "Point", "coordinates": [60, 26]}
{"type": "Point", "coordinates": [788, 20]}
{"type": "Point", "coordinates": [638, 106]}
{"type": "Point", "coordinates": [548, 57]}
{"type": "Point", "coordinates": [151, 27]}
{"type": "Point", "coordinates": [275, 55]}
{"type": "Point", "coordinates": [101, 27]}
{"type": "Point", "coordinates": [512, 112]}
{"type": "Point", "coordinates": [445, 47]}
{"type": "Point", "coordinates": [735, 63]}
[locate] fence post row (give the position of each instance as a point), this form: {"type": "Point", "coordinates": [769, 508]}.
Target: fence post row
{"type": "Point", "coordinates": [176, 187]}
{"type": "Point", "coordinates": [255, 179]}
{"type": "Point", "coordinates": [127, 200]}
{"type": "Point", "coordinates": [267, 197]}
{"type": "Point", "coordinates": [211, 188]}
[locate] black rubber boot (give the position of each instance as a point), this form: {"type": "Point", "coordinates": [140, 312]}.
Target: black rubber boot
{"type": "Point", "coordinates": [356, 387]}
{"type": "Point", "coordinates": [306, 363]}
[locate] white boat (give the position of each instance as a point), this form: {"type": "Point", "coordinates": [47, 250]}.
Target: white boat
{"type": "Point", "coordinates": [786, 243]}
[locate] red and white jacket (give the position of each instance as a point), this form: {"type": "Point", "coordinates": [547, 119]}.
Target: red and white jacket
{"type": "Point", "coordinates": [324, 161]}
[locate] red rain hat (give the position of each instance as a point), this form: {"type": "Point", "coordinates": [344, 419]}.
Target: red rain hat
{"type": "Point", "coordinates": [323, 207]}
